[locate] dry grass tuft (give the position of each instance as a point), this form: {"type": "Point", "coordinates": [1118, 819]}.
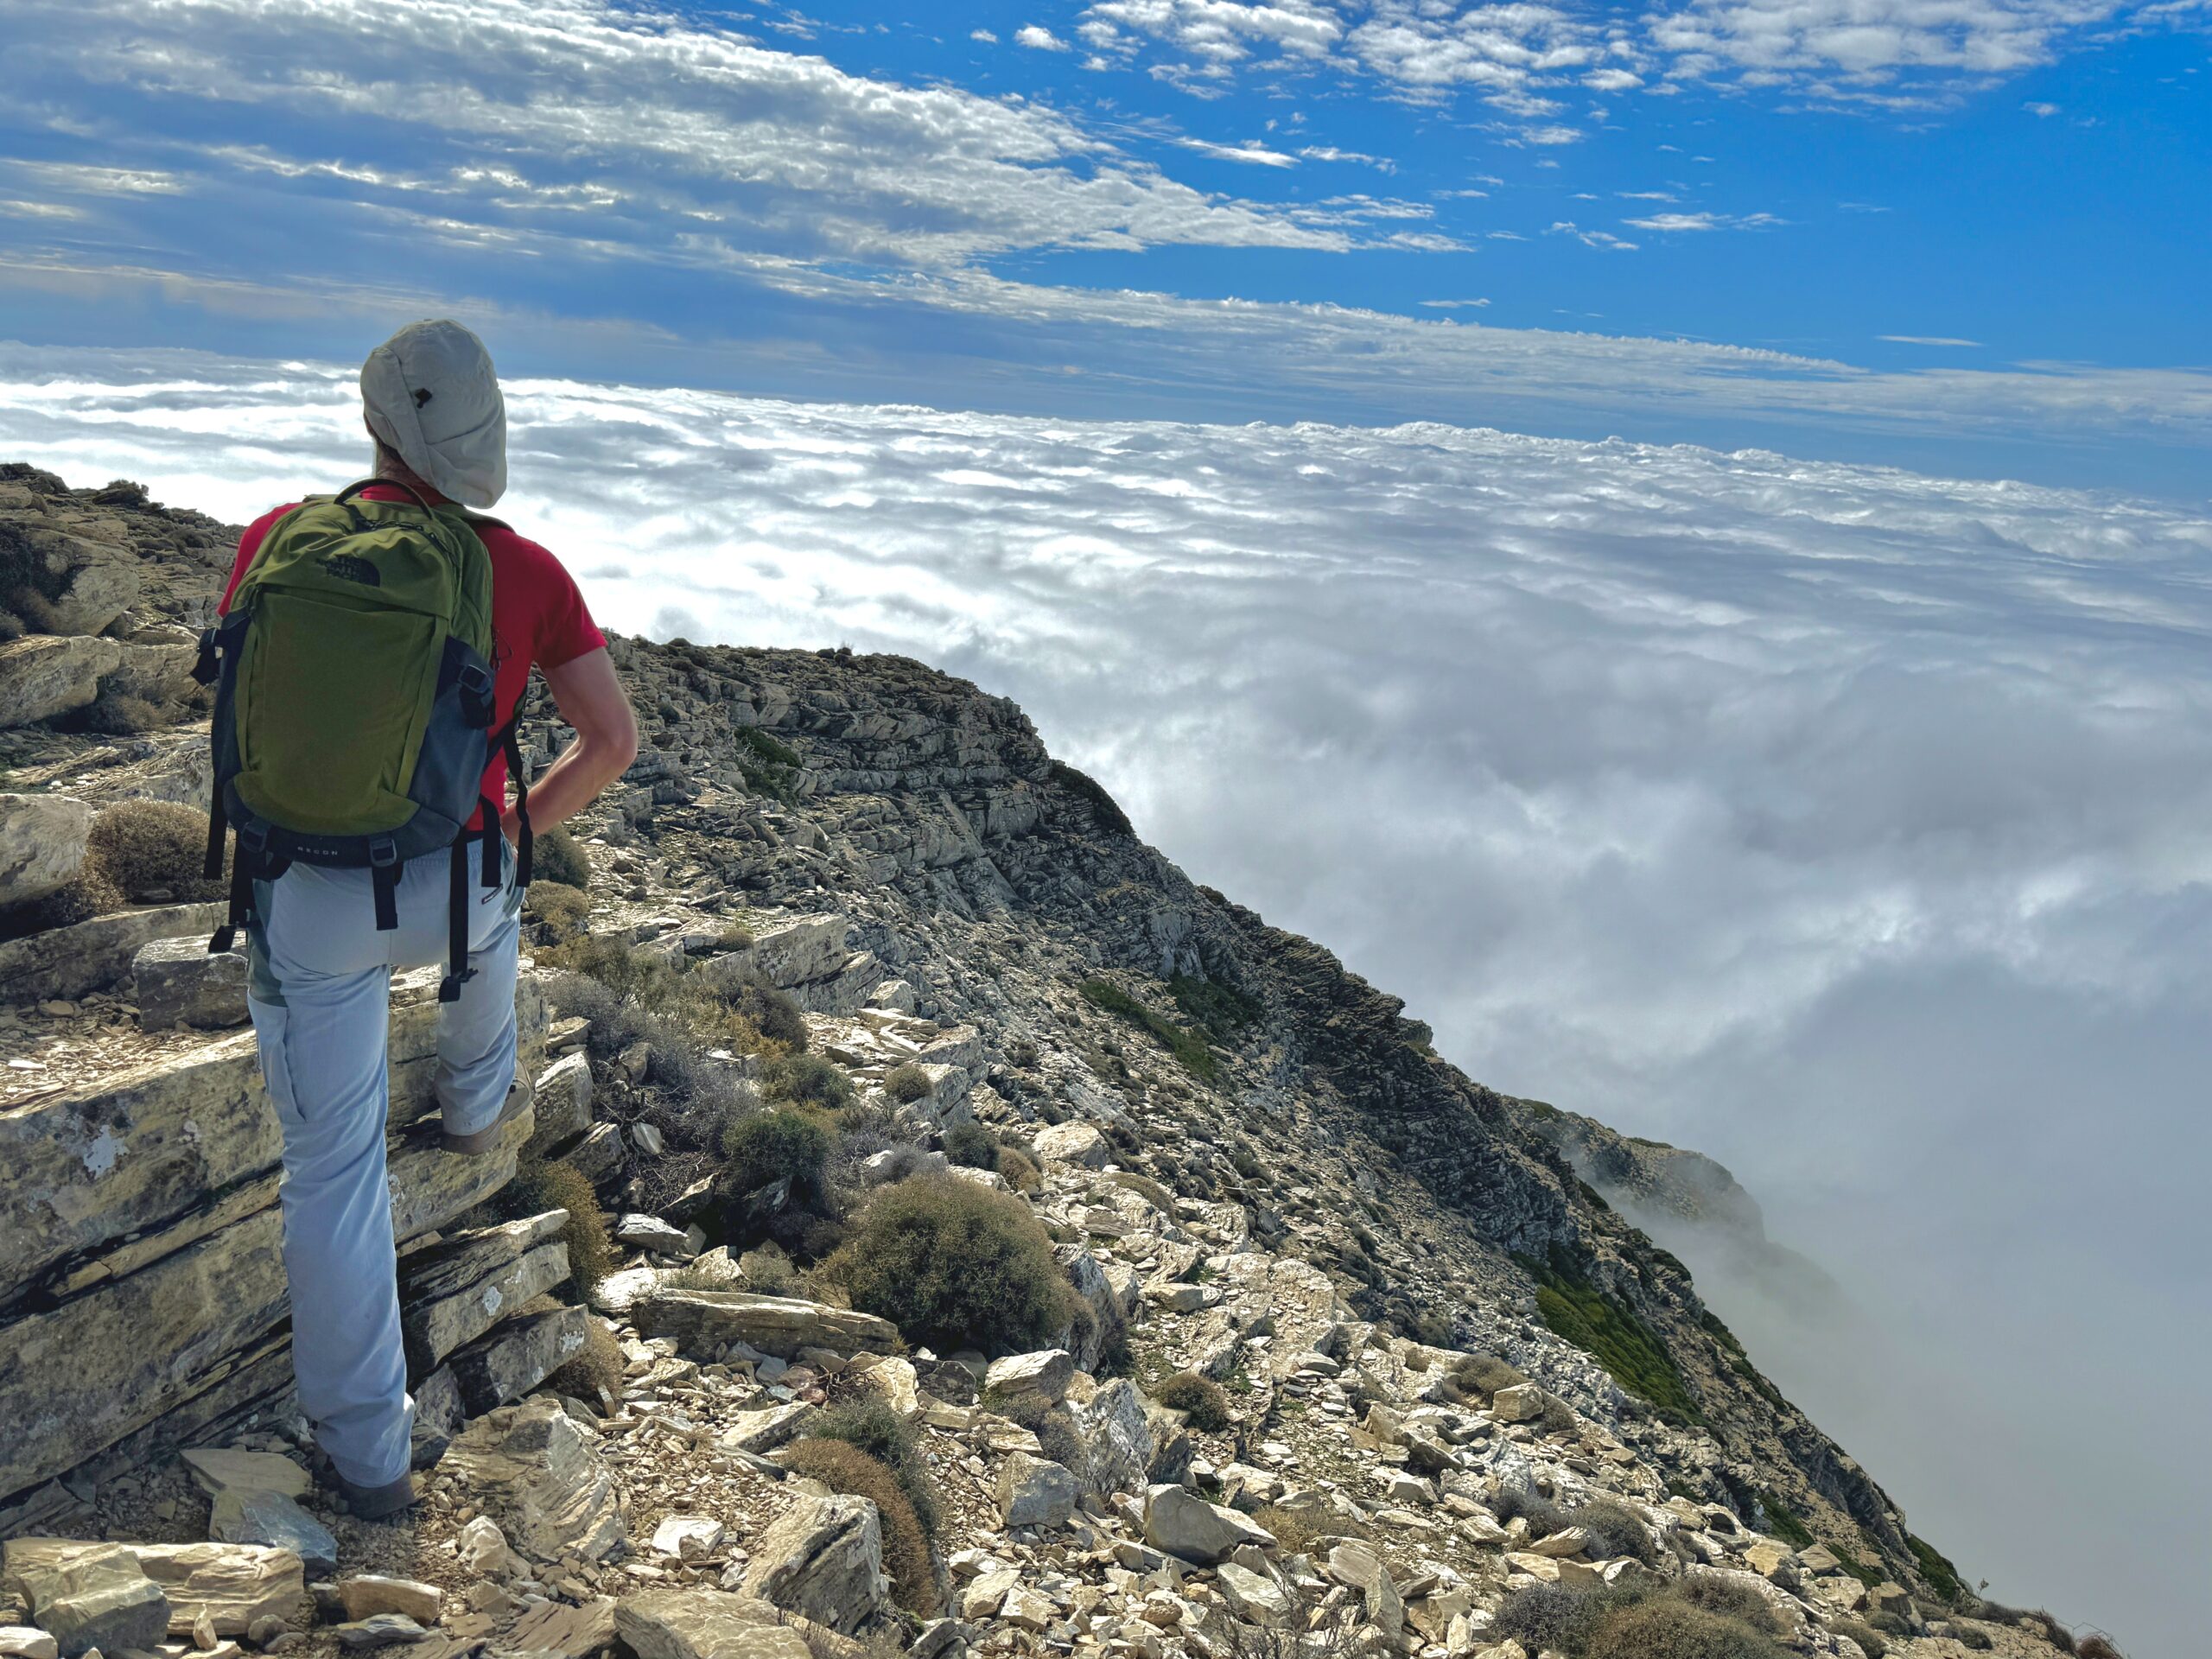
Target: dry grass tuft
{"type": "Point", "coordinates": [843, 1467]}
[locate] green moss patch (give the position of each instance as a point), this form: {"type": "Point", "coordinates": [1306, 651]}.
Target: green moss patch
{"type": "Point", "coordinates": [1186, 1044]}
{"type": "Point", "coordinates": [1611, 1333]}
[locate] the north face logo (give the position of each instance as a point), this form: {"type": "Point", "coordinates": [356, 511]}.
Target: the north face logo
{"type": "Point", "coordinates": [347, 568]}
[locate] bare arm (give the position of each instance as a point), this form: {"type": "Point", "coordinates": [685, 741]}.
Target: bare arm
{"type": "Point", "coordinates": [590, 695]}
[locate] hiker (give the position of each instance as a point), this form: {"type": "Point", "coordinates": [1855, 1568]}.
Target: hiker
{"type": "Point", "coordinates": [373, 711]}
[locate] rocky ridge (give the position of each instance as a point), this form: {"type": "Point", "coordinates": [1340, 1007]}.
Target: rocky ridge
{"type": "Point", "coordinates": [1436, 1342]}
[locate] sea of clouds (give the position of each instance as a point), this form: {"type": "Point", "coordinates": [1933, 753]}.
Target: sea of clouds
{"type": "Point", "coordinates": [1851, 825]}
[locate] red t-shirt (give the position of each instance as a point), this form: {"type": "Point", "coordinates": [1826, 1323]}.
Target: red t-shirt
{"type": "Point", "coordinates": [538, 616]}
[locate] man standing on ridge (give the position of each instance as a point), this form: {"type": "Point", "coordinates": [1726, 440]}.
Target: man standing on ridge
{"type": "Point", "coordinates": [324, 938]}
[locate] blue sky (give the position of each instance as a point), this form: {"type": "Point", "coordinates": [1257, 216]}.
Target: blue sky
{"type": "Point", "coordinates": [1965, 236]}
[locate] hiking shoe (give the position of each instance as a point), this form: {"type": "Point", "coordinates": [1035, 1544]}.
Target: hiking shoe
{"type": "Point", "coordinates": [477, 1142]}
{"type": "Point", "coordinates": [377, 1502]}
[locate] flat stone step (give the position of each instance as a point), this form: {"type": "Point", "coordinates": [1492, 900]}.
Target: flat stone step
{"type": "Point", "coordinates": [458, 1289]}
{"type": "Point", "coordinates": [76, 1379]}
{"type": "Point", "coordinates": [86, 1165]}
{"type": "Point", "coordinates": [67, 963]}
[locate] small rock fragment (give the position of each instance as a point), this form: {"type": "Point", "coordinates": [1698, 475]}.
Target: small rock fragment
{"type": "Point", "coordinates": [367, 1594]}
{"type": "Point", "coordinates": [384, 1631]}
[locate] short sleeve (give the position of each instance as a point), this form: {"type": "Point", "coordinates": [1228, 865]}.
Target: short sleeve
{"type": "Point", "coordinates": [250, 540]}
{"type": "Point", "coordinates": [565, 630]}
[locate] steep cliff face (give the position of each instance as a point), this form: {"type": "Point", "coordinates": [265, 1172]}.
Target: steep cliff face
{"type": "Point", "coordinates": [896, 851]}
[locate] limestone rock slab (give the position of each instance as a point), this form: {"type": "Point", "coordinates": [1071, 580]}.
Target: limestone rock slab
{"type": "Point", "coordinates": [532, 1470]}
{"type": "Point", "coordinates": [86, 1595]}
{"type": "Point", "coordinates": [781, 1325]}
{"type": "Point", "coordinates": [182, 983]}
{"type": "Point", "coordinates": [700, 1623]}
{"type": "Point", "coordinates": [45, 675]}
{"type": "Point", "coordinates": [823, 1559]}
{"type": "Point", "coordinates": [1035, 1492]}
{"type": "Point", "coordinates": [1184, 1524]}
{"type": "Point", "coordinates": [160, 1335]}
{"type": "Point", "coordinates": [1079, 1144]}
{"type": "Point", "coordinates": [42, 844]}
{"type": "Point", "coordinates": [145, 1144]}
{"type": "Point", "coordinates": [240, 1516]}
{"type": "Point", "coordinates": [219, 1468]}
{"type": "Point", "coordinates": [564, 1095]}
{"type": "Point", "coordinates": [67, 963]}
{"type": "Point", "coordinates": [517, 1356]}
{"type": "Point", "coordinates": [1042, 1376]}
{"type": "Point", "coordinates": [232, 1584]}
{"type": "Point", "coordinates": [458, 1289]}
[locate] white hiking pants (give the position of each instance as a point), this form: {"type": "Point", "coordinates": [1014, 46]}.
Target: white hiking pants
{"type": "Point", "coordinates": [321, 996]}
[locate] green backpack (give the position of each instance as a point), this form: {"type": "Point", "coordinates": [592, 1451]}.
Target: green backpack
{"type": "Point", "coordinates": [354, 702]}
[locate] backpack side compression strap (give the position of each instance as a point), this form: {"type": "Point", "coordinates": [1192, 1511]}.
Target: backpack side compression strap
{"type": "Point", "coordinates": [458, 972]}
{"type": "Point", "coordinates": [239, 912]}
{"type": "Point", "coordinates": [511, 743]}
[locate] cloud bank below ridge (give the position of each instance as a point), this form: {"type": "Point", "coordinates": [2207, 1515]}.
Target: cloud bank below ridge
{"type": "Point", "coordinates": [1852, 825]}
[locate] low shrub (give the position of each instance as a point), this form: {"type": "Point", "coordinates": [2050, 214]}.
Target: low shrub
{"type": "Point", "coordinates": [119, 714]}
{"type": "Point", "coordinates": [1544, 1516]}
{"type": "Point", "coordinates": [906, 1159]}
{"type": "Point", "coordinates": [1199, 1398]}
{"type": "Point", "coordinates": [1615, 1530]}
{"type": "Point", "coordinates": [1093, 794]}
{"type": "Point", "coordinates": [1936, 1568]}
{"type": "Point", "coordinates": [1431, 1327]}
{"type": "Point", "coordinates": [1301, 1530]}
{"type": "Point", "coordinates": [1548, 1617]}
{"type": "Point", "coordinates": [769, 1271]}
{"type": "Point", "coordinates": [563, 909]}
{"type": "Point", "coordinates": [971, 1146]}
{"type": "Point", "coordinates": [594, 1375]}
{"type": "Point", "coordinates": [1020, 1170]}
{"type": "Point", "coordinates": [2098, 1647]}
{"type": "Point", "coordinates": [1483, 1375]}
{"type": "Point", "coordinates": [1663, 1628]}
{"type": "Point", "coordinates": [541, 1186]}
{"type": "Point", "coordinates": [769, 767]}
{"type": "Point", "coordinates": [2032, 1620]}
{"type": "Point", "coordinates": [807, 1079]}
{"type": "Point", "coordinates": [1150, 1191]}
{"type": "Point", "coordinates": [774, 1014]}
{"type": "Point", "coordinates": [631, 1011]}
{"type": "Point", "coordinates": [1726, 1599]}
{"type": "Point", "coordinates": [870, 1424]}
{"type": "Point", "coordinates": [557, 856]}
{"type": "Point", "coordinates": [908, 1084]}
{"type": "Point", "coordinates": [955, 1265]}
{"type": "Point", "coordinates": [1188, 1046]}
{"type": "Point", "coordinates": [774, 1145]}
{"type": "Point", "coordinates": [843, 1467]}
{"type": "Point", "coordinates": [1223, 1009]}
{"type": "Point", "coordinates": [1054, 1429]}
{"type": "Point", "coordinates": [645, 980]}
{"type": "Point", "coordinates": [1865, 1636]}
{"type": "Point", "coordinates": [150, 849]}
{"type": "Point", "coordinates": [90, 893]}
